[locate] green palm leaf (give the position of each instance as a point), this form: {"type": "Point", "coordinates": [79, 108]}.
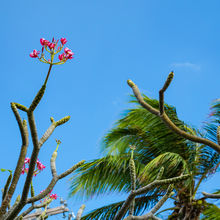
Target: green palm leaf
{"type": "Point", "coordinates": [152, 137]}
{"type": "Point", "coordinates": [173, 163]}
{"type": "Point", "coordinates": [211, 212]}
{"type": "Point", "coordinates": [156, 146]}
{"type": "Point", "coordinates": [108, 174]}
{"type": "Point", "coordinates": [108, 212]}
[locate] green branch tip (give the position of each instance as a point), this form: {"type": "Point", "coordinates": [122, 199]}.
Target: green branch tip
{"type": "Point", "coordinates": [63, 120]}
{"type": "Point", "coordinates": [21, 107]}
{"type": "Point", "coordinates": [130, 83]}
{"type": "Point", "coordinates": [168, 81]}
{"type": "Point", "coordinates": [58, 143]}
{"type": "Point", "coordinates": [37, 98]}
{"type": "Point", "coordinates": [52, 120]}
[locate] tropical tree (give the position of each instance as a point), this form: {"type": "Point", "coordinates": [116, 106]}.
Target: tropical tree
{"type": "Point", "coordinates": [156, 146]}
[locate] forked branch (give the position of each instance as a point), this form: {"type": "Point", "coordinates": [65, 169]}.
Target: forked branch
{"type": "Point", "coordinates": [160, 113]}
{"type": "Point", "coordinates": [145, 189]}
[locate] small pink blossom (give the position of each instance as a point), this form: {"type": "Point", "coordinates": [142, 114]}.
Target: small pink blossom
{"type": "Point", "coordinates": [61, 56]}
{"type": "Point", "coordinates": [44, 42]}
{"type": "Point", "coordinates": [63, 40]}
{"type": "Point", "coordinates": [40, 166]}
{"type": "Point", "coordinates": [69, 53]}
{"type": "Point", "coordinates": [53, 196]}
{"type": "Point", "coordinates": [51, 45]}
{"type": "Point", "coordinates": [24, 170]}
{"type": "Point", "coordinates": [34, 54]}
{"type": "Point", "coordinates": [27, 160]}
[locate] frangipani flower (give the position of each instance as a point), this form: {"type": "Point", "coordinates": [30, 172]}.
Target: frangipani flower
{"type": "Point", "coordinates": [63, 41]}
{"type": "Point", "coordinates": [39, 168]}
{"type": "Point", "coordinates": [53, 48]}
{"type": "Point", "coordinates": [34, 54]}
{"type": "Point", "coordinates": [49, 196]}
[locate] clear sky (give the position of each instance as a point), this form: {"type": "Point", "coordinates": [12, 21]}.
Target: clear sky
{"type": "Point", "coordinates": [113, 41]}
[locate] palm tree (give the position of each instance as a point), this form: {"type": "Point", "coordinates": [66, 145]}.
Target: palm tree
{"type": "Point", "coordinates": [156, 147]}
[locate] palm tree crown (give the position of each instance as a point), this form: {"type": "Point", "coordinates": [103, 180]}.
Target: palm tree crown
{"type": "Point", "coordinates": [156, 146]}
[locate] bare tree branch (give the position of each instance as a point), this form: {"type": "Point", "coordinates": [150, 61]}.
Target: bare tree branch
{"type": "Point", "coordinates": [167, 120]}
{"type": "Point", "coordinates": [161, 92]}
{"type": "Point", "coordinates": [211, 195]}
{"type": "Point", "coordinates": [18, 169]}
{"type": "Point", "coordinates": [52, 127]}
{"type": "Point", "coordinates": [31, 208]}
{"type": "Point", "coordinates": [37, 98]}
{"type": "Point", "coordinates": [144, 189]}
{"type": "Point", "coordinates": [70, 170]}
{"type": "Point", "coordinates": [21, 107]}
{"type": "Point", "coordinates": [53, 183]}
{"type": "Point", "coordinates": [80, 211]}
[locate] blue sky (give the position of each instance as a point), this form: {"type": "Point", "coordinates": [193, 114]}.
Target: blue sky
{"type": "Point", "coordinates": [113, 41]}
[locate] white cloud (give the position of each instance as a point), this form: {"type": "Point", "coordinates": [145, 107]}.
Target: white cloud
{"type": "Point", "coordinates": [186, 65]}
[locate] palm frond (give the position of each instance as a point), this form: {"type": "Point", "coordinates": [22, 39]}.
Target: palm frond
{"type": "Point", "coordinates": [108, 212]}
{"type": "Point", "coordinates": [173, 163]}
{"type": "Point", "coordinates": [211, 212]}
{"type": "Point", "coordinates": [108, 174]}
{"type": "Point", "coordinates": [210, 126]}
{"type": "Point", "coordinates": [152, 137]}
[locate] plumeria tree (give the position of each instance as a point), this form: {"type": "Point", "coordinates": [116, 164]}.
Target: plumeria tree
{"type": "Point", "coordinates": [28, 200]}
{"type": "Point", "coordinates": [32, 166]}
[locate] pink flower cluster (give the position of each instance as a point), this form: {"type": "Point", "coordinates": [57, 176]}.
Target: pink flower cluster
{"type": "Point", "coordinates": [51, 195]}
{"type": "Point", "coordinates": [40, 166]}
{"type": "Point", "coordinates": [53, 48]}
{"type": "Point", "coordinates": [68, 54]}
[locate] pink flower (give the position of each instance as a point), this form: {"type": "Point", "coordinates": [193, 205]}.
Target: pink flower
{"type": "Point", "coordinates": [63, 41]}
{"type": "Point", "coordinates": [51, 45]}
{"type": "Point", "coordinates": [61, 56]}
{"type": "Point", "coordinates": [53, 196]}
{"type": "Point", "coordinates": [27, 160]}
{"type": "Point", "coordinates": [40, 166]}
{"type": "Point", "coordinates": [24, 170]}
{"type": "Point", "coordinates": [44, 42]}
{"type": "Point", "coordinates": [34, 54]}
{"type": "Point", "coordinates": [69, 53]}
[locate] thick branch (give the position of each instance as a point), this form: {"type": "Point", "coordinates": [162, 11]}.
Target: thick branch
{"type": "Point", "coordinates": [163, 200]}
{"type": "Point", "coordinates": [169, 123]}
{"type": "Point", "coordinates": [69, 171]}
{"type": "Point", "coordinates": [161, 182]}
{"type": "Point", "coordinates": [21, 107]}
{"type": "Point", "coordinates": [161, 92]}
{"type": "Point", "coordinates": [53, 183]}
{"type": "Point", "coordinates": [31, 208]}
{"type": "Point", "coordinates": [18, 169]}
{"type": "Point", "coordinates": [80, 211]}
{"type": "Point", "coordinates": [150, 216]}
{"type": "Point", "coordinates": [211, 195]}
{"type": "Point", "coordinates": [52, 127]}
{"type": "Point", "coordinates": [37, 98]}
{"type": "Point", "coordinates": [144, 189]}
{"type": "Point", "coordinates": [31, 169]}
